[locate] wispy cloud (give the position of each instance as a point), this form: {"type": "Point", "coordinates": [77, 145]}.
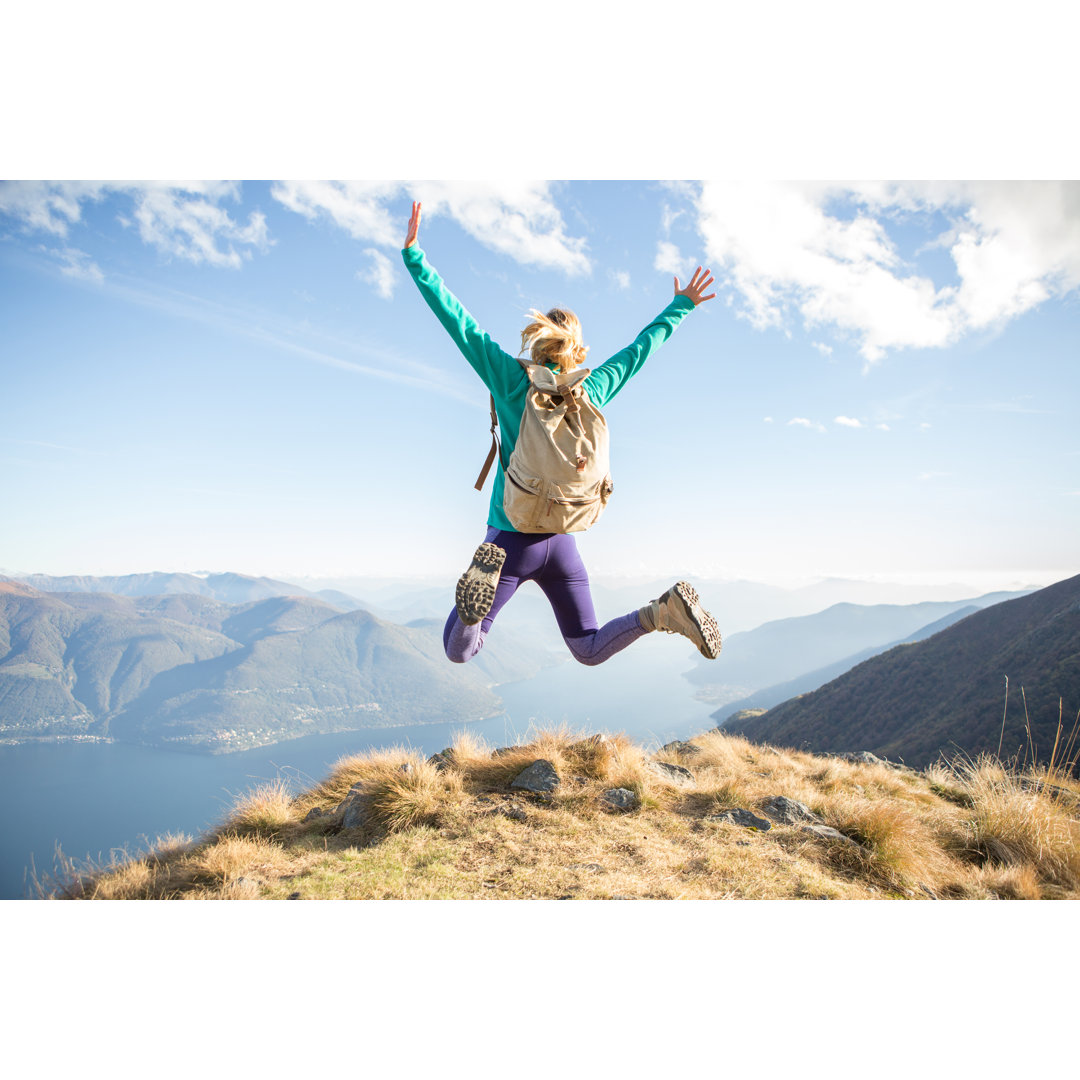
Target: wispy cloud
{"type": "Point", "coordinates": [621, 278]}
{"type": "Point", "coordinates": [383, 364]}
{"type": "Point", "coordinates": [357, 207]}
{"type": "Point", "coordinates": [827, 254]}
{"type": "Point", "coordinates": [184, 220]}
{"type": "Point", "coordinates": [520, 220]}
{"type": "Point", "coordinates": [932, 475]}
{"type": "Point", "coordinates": [191, 225]}
{"type": "Point", "coordinates": [380, 274]}
{"type": "Point", "coordinates": [48, 206]}
{"type": "Point", "coordinates": [1016, 406]}
{"type": "Point", "coordinates": [825, 350]}
{"type": "Point", "coordinates": [77, 264]}
{"type": "Point", "coordinates": [848, 421]}
{"type": "Point", "coordinates": [50, 445]}
{"type": "Point", "coordinates": [802, 421]}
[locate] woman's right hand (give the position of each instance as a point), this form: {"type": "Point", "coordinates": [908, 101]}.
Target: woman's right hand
{"type": "Point", "coordinates": [414, 225]}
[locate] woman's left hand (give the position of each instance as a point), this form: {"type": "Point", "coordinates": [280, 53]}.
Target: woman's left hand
{"type": "Point", "coordinates": [697, 285]}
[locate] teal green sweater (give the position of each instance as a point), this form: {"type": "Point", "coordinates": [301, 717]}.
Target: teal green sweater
{"type": "Point", "coordinates": [504, 376]}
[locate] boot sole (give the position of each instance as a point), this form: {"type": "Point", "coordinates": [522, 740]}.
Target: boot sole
{"type": "Point", "coordinates": [475, 591]}
{"type": "Point", "coordinates": [710, 644]}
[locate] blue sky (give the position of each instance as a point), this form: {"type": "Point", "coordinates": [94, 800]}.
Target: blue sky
{"type": "Point", "coordinates": [242, 376]}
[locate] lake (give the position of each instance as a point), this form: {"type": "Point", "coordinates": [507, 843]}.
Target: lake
{"type": "Point", "coordinates": [94, 798]}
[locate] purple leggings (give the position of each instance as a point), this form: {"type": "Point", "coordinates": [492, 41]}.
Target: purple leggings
{"type": "Point", "coordinates": [553, 562]}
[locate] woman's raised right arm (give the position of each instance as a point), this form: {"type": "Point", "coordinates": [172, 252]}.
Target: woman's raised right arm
{"type": "Point", "coordinates": [498, 369]}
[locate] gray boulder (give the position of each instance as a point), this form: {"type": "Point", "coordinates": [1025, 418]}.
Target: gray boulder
{"type": "Point", "coordinates": [862, 757]}
{"type": "Point", "coordinates": [313, 813]}
{"type": "Point", "coordinates": [787, 811]}
{"type": "Point", "coordinates": [827, 832]}
{"type": "Point", "coordinates": [673, 774]}
{"type": "Point", "coordinates": [539, 777]}
{"type": "Point", "coordinates": [744, 818]}
{"type": "Point", "coordinates": [442, 760]}
{"type": "Point", "coordinates": [356, 806]}
{"type": "Point", "coordinates": [679, 747]}
{"type": "Point", "coordinates": [620, 798]}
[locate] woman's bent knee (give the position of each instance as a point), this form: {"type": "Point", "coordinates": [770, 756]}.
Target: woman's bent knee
{"type": "Point", "coordinates": [582, 654]}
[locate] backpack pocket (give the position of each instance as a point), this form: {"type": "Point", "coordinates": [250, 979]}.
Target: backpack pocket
{"type": "Point", "coordinates": [534, 505]}
{"type": "Point", "coordinates": [525, 500]}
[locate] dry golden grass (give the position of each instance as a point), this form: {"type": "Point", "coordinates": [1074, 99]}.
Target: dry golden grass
{"type": "Point", "coordinates": [1013, 824]}
{"type": "Point", "coordinates": [973, 830]}
{"type": "Point", "coordinates": [266, 809]}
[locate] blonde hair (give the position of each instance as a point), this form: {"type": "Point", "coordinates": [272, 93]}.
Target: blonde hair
{"type": "Point", "coordinates": [554, 338]}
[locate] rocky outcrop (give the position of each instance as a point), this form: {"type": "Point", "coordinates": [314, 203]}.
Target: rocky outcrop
{"type": "Point", "coordinates": [826, 832]}
{"type": "Point", "coordinates": [619, 799]}
{"type": "Point", "coordinates": [540, 778]}
{"type": "Point", "coordinates": [355, 807]}
{"type": "Point", "coordinates": [742, 817]}
{"type": "Point", "coordinates": [673, 774]}
{"type": "Point", "coordinates": [679, 747]}
{"type": "Point", "coordinates": [785, 811]}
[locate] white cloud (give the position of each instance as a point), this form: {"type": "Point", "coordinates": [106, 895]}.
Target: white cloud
{"type": "Point", "coordinates": [789, 251]}
{"type": "Point", "coordinates": [49, 206]}
{"type": "Point", "coordinates": [848, 421]}
{"type": "Point", "coordinates": [78, 264]}
{"type": "Point", "coordinates": [183, 219]}
{"type": "Point", "coordinates": [380, 274]}
{"type": "Point", "coordinates": [187, 222]}
{"type": "Point", "coordinates": [825, 350]}
{"type": "Point", "coordinates": [768, 419]}
{"type": "Point", "coordinates": [883, 427]}
{"type": "Point", "coordinates": [356, 207]}
{"type": "Point", "coordinates": [801, 421]}
{"type": "Point", "coordinates": [933, 475]}
{"type": "Point", "coordinates": [924, 425]}
{"type": "Point", "coordinates": [621, 278]}
{"type": "Point", "coordinates": [520, 220]}
{"type": "Point", "coordinates": [668, 258]}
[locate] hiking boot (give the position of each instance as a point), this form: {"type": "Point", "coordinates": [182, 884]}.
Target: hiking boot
{"type": "Point", "coordinates": [476, 587]}
{"type": "Point", "coordinates": [679, 611]}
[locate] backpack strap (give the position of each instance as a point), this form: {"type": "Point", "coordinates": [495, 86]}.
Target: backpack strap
{"type": "Point", "coordinates": [495, 449]}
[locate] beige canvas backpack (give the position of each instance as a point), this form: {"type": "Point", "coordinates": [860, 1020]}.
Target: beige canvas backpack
{"type": "Point", "coordinates": [558, 478]}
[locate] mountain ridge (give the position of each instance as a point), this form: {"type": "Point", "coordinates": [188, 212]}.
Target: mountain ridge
{"type": "Point", "coordinates": [220, 677]}
{"type": "Point", "coordinates": [949, 690]}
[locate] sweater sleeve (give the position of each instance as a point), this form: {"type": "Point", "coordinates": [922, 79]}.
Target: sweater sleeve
{"type": "Point", "coordinates": [498, 369]}
{"type": "Point", "coordinates": [605, 381]}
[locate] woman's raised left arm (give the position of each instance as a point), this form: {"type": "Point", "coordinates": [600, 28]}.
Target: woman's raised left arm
{"type": "Point", "coordinates": [605, 381]}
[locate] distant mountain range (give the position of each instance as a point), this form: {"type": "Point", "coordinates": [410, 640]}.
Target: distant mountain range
{"type": "Point", "coordinates": [200, 673]}
{"type": "Point", "coordinates": [758, 667]}
{"type": "Point", "coordinates": [227, 661]}
{"type": "Point", "coordinates": [769, 696]}
{"type": "Point", "coordinates": [228, 588]}
{"type": "Point", "coordinates": [947, 692]}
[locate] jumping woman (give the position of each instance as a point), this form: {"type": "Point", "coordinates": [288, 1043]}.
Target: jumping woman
{"type": "Point", "coordinates": [509, 557]}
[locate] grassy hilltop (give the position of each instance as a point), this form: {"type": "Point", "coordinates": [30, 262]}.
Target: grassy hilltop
{"type": "Point", "coordinates": [717, 817]}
